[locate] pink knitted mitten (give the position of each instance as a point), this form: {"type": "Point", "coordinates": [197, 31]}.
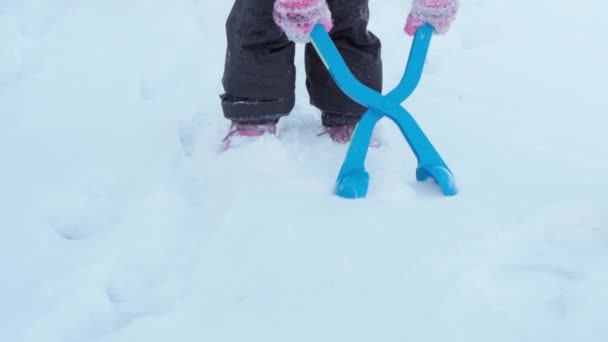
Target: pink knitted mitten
{"type": "Point", "coordinates": [439, 13]}
{"type": "Point", "coordinates": [298, 17]}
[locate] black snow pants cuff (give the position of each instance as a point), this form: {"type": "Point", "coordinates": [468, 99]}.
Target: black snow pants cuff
{"type": "Point", "coordinates": [259, 73]}
{"type": "Point", "coordinates": [252, 111]}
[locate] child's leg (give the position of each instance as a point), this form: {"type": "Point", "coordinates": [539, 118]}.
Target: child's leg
{"type": "Point", "coordinates": [361, 51]}
{"type": "Point", "coordinates": [259, 75]}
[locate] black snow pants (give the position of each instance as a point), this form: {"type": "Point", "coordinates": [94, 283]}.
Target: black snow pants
{"type": "Point", "coordinates": [259, 73]}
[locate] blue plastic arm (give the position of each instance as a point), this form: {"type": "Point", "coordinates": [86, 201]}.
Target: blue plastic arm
{"type": "Point", "coordinates": [353, 180]}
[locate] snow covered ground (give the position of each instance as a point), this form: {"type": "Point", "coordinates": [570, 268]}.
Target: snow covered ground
{"type": "Point", "coordinates": [121, 222]}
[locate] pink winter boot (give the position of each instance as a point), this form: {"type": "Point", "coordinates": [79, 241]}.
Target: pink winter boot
{"type": "Point", "coordinates": [298, 17]}
{"type": "Point", "coordinates": [439, 13]}
{"type": "Point", "coordinates": [344, 134]}
{"type": "Point", "coordinates": [239, 132]}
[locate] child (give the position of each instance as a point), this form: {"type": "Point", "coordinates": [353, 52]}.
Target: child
{"type": "Point", "coordinates": [259, 74]}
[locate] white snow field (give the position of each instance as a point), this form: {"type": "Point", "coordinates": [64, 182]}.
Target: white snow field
{"type": "Point", "coordinates": [120, 220]}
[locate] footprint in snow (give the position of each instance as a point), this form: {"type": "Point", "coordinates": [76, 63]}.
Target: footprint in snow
{"type": "Point", "coordinates": [76, 216]}
{"type": "Point", "coordinates": [535, 288]}
{"type": "Point", "coordinates": [140, 290]}
{"type": "Point", "coordinates": [94, 310]}
{"type": "Point", "coordinates": [42, 16]}
{"type": "Point", "coordinates": [16, 64]}
{"type": "Point", "coordinates": [579, 226]}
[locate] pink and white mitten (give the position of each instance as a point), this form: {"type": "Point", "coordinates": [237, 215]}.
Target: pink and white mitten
{"type": "Point", "coordinates": [439, 13]}
{"type": "Point", "coordinates": [297, 18]}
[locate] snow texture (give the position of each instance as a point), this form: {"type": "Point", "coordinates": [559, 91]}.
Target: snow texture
{"type": "Point", "coordinates": [121, 222]}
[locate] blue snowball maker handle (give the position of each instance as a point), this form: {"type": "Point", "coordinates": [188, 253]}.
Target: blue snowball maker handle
{"type": "Point", "coordinates": [353, 179]}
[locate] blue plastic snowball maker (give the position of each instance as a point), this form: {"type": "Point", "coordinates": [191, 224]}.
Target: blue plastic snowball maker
{"type": "Point", "coordinates": [353, 180]}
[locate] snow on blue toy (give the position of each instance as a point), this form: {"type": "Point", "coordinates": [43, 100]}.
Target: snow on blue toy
{"type": "Point", "coordinates": [353, 180]}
